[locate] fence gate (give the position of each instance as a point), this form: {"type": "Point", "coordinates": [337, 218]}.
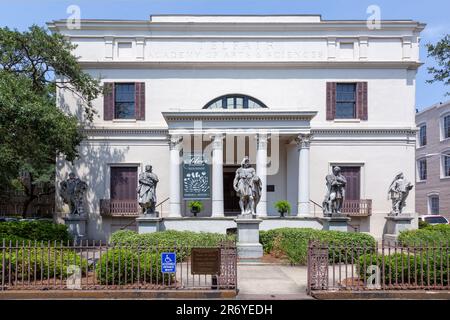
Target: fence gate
{"type": "Point", "coordinates": [317, 267]}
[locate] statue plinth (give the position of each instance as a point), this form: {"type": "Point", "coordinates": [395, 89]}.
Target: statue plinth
{"type": "Point", "coordinates": [395, 225]}
{"type": "Point", "coordinates": [77, 226]}
{"type": "Point", "coordinates": [148, 223]}
{"type": "Point", "coordinates": [248, 246]}
{"type": "Point", "coordinates": [336, 222]}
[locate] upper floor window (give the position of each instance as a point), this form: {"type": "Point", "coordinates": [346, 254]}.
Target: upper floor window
{"type": "Point", "coordinates": [124, 106]}
{"type": "Point", "coordinates": [446, 127]}
{"type": "Point", "coordinates": [422, 169]}
{"type": "Point", "coordinates": [234, 101]}
{"type": "Point", "coordinates": [124, 100]}
{"type": "Point", "coordinates": [422, 135]}
{"type": "Point", "coordinates": [446, 164]}
{"type": "Point", "coordinates": [345, 101]}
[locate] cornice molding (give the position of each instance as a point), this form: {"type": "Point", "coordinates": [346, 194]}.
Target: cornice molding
{"type": "Point", "coordinates": [124, 131]}
{"type": "Point", "coordinates": [230, 115]}
{"type": "Point", "coordinates": [365, 131]}
{"type": "Point", "coordinates": [410, 65]}
{"type": "Point", "coordinates": [92, 24]}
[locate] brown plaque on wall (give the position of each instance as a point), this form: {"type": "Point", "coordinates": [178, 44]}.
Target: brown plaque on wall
{"type": "Point", "coordinates": [205, 261]}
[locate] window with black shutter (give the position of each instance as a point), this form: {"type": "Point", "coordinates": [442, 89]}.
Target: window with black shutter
{"type": "Point", "coordinates": [124, 102]}
{"type": "Point", "coordinates": [345, 101]}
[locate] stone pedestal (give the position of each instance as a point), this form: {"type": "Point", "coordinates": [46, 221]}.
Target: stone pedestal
{"type": "Point", "coordinates": [394, 225]}
{"type": "Point", "coordinates": [148, 223]}
{"type": "Point", "coordinates": [77, 226]}
{"type": "Point", "coordinates": [335, 223]}
{"type": "Point", "coordinates": [248, 246]}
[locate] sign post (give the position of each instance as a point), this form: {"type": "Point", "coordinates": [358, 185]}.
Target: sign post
{"type": "Point", "coordinates": [168, 262]}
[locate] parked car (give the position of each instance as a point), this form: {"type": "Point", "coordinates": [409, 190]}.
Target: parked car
{"type": "Point", "coordinates": [6, 219]}
{"type": "Point", "coordinates": [433, 219]}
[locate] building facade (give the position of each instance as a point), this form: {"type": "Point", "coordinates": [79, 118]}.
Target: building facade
{"type": "Point", "coordinates": [297, 94]}
{"type": "Point", "coordinates": [433, 160]}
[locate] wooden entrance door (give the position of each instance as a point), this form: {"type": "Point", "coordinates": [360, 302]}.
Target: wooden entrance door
{"type": "Point", "coordinates": [353, 188]}
{"type": "Point", "coordinates": [123, 183]}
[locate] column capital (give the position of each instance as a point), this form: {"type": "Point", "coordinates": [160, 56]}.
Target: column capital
{"type": "Point", "coordinates": [217, 139]}
{"type": "Point", "coordinates": [303, 140]}
{"type": "Point", "coordinates": [175, 141]}
{"type": "Point", "coordinates": [262, 139]}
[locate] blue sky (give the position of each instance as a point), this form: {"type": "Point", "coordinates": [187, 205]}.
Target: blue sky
{"type": "Point", "coordinates": [22, 13]}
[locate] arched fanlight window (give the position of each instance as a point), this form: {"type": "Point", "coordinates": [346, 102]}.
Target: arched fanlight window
{"type": "Point", "coordinates": [234, 101]}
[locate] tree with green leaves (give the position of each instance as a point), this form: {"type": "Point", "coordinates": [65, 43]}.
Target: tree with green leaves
{"type": "Point", "coordinates": [34, 131]}
{"type": "Point", "coordinates": [441, 53]}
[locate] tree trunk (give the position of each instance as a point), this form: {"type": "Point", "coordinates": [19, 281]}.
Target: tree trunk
{"type": "Point", "coordinates": [26, 204]}
{"type": "Point", "coordinates": [29, 191]}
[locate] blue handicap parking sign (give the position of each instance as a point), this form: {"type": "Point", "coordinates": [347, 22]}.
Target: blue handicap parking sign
{"type": "Point", "coordinates": [168, 262]}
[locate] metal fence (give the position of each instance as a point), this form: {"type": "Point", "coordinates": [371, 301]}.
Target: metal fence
{"type": "Point", "coordinates": [381, 266]}
{"type": "Point", "coordinates": [95, 266]}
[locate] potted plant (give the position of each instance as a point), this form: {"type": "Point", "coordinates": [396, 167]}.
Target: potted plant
{"type": "Point", "coordinates": [283, 207]}
{"type": "Point", "coordinates": [196, 207]}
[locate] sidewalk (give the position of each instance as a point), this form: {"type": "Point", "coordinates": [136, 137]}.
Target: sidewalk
{"type": "Point", "coordinates": [270, 281]}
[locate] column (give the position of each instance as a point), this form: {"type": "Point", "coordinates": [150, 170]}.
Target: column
{"type": "Point", "coordinates": [175, 183]}
{"type": "Point", "coordinates": [261, 172]}
{"type": "Point", "coordinates": [303, 142]}
{"type": "Point", "coordinates": [217, 176]}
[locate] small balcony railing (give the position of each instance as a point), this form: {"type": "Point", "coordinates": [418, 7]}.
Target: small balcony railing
{"type": "Point", "coordinates": [358, 208]}
{"type": "Point", "coordinates": [119, 208]}
{"type": "Point", "coordinates": [354, 208]}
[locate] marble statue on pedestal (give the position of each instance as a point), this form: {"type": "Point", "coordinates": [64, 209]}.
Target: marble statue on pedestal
{"type": "Point", "coordinates": [248, 187]}
{"type": "Point", "coordinates": [72, 192]}
{"type": "Point", "coordinates": [147, 190]}
{"type": "Point", "coordinates": [398, 192]}
{"type": "Point", "coordinates": [334, 198]}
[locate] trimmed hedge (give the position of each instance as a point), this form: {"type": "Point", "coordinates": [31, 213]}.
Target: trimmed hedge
{"type": "Point", "coordinates": [124, 266]}
{"type": "Point", "coordinates": [420, 268]}
{"type": "Point", "coordinates": [40, 263]}
{"type": "Point", "coordinates": [33, 230]}
{"type": "Point", "coordinates": [293, 243]}
{"type": "Point", "coordinates": [432, 234]}
{"type": "Point", "coordinates": [169, 238]}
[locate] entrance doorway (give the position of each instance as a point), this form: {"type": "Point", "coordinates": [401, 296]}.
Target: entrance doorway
{"type": "Point", "coordinates": [230, 199]}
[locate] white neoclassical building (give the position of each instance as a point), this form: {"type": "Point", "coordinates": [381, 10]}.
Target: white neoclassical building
{"type": "Point", "coordinates": [192, 95]}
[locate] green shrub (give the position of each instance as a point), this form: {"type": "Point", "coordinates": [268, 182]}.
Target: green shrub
{"type": "Point", "coordinates": [195, 206]}
{"type": "Point", "coordinates": [170, 238]}
{"type": "Point", "coordinates": [423, 224]}
{"type": "Point", "coordinates": [40, 263]}
{"type": "Point", "coordinates": [420, 268]}
{"type": "Point", "coordinates": [179, 242]}
{"type": "Point", "coordinates": [432, 234]}
{"type": "Point", "coordinates": [293, 243]}
{"type": "Point", "coordinates": [126, 265]}
{"type": "Point", "coordinates": [11, 239]}
{"type": "Point", "coordinates": [283, 206]}
{"type": "Point", "coordinates": [34, 230]}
